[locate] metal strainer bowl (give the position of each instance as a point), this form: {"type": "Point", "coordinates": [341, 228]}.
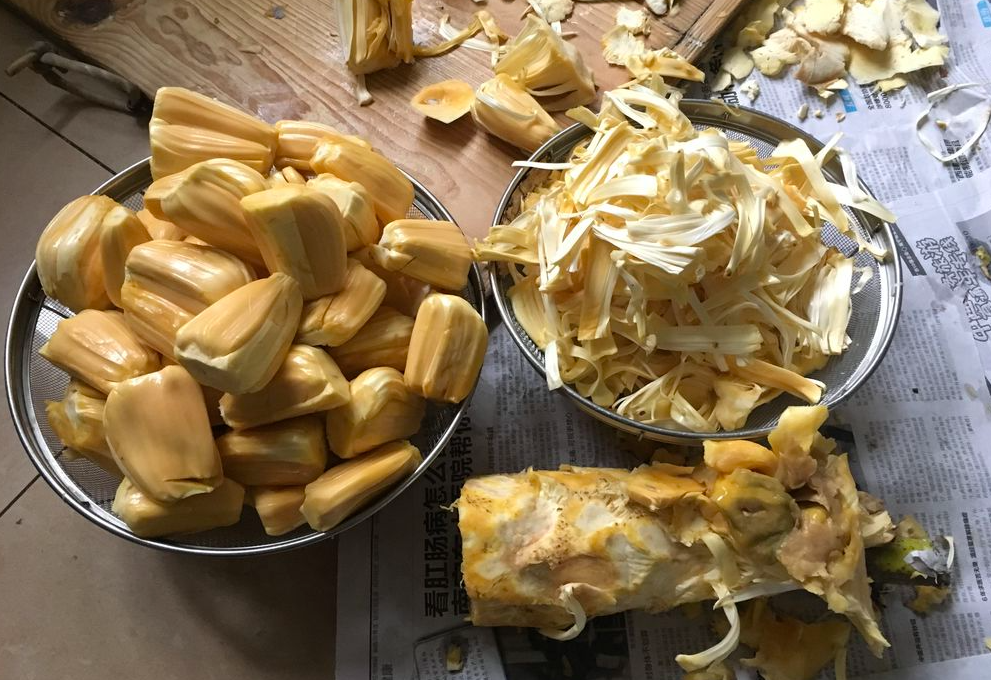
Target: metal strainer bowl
{"type": "Point", "coordinates": [31, 381]}
{"type": "Point", "coordinates": [875, 307]}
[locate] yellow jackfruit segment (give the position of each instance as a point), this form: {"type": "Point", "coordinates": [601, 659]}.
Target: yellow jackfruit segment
{"type": "Point", "coordinates": [445, 101]}
{"type": "Point", "coordinates": [674, 275]}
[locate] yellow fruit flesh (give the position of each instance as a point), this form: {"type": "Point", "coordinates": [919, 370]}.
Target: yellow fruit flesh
{"type": "Point", "coordinates": [159, 432]}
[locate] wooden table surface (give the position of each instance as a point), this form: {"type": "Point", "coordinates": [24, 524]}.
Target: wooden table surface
{"type": "Point", "coordinates": [290, 68]}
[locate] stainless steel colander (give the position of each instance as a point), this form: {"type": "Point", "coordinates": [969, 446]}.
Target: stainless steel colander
{"type": "Point", "coordinates": [31, 381]}
{"type": "Point", "coordinates": [875, 308]}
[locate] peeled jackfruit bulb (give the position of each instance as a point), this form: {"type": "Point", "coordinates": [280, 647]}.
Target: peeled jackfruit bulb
{"type": "Point", "coordinates": [300, 232]}
{"type": "Point", "coordinates": [381, 409]}
{"type": "Point", "coordinates": [148, 518]}
{"type": "Point", "coordinates": [390, 189]}
{"type": "Point", "coordinates": [206, 203]}
{"type": "Point", "coordinates": [287, 175]}
{"type": "Point", "coordinates": [361, 227]}
{"type": "Point", "coordinates": [158, 229]}
{"type": "Point", "coordinates": [281, 454]}
{"type": "Point", "coordinates": [307, 381]}
{"type": "Point", "coordinates": [433, 251]}
{"type": "Point", "coordinates": [211, 397]}
{"type": "Point", "coordinates": [345, 488]}
{"type": "Point", "coordinates": [166, 283]}
{"type": "Point", "coordinates": [402, 293]}
{"type": "Point", "coordinates": [278, 507]}
{"type": "Point", "coordinates": [334, 319]}
{"type": "Point", "coordinates": [298, 138]}
{"type": "Point", "coordinates": [382, 341]}
{"type": "Point", "coordinates": [157, 190]}
{"type": "Point", "coordinates": [154, 319]}
{"type": "Point", "coordinates": [159, 432]}
{"type": "Point", "coordinates": [541, 61]}
{"type": "Point", "coordinates": [188, 275]}
{"type": "Point", "coordinates": [68, 254]}
{"type": "Point", "coordinates": [238, 343]}
{"type": "Point", "coordinates": [375, 34]}
{"type": "Point", "coordinates": [505, 109]}
{"type": "Point", "coordinates": [78, 422]}
{"type": "Point", "coordinates": [445, 101]}
{"type": "Point", "coordinates": [98, 348]}
{"type": "Point", "coordinates": [120, 232]}
{"type": "Point", "coordinates": [446, 348]}
{"type": "Point", "coordinates": [187, 127]}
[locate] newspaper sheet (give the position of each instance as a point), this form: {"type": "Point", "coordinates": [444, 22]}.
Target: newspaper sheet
{"type": "Point", "coordinates": [919, 435]}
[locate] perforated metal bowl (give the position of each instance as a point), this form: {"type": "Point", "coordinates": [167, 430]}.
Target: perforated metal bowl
{"type": "Point", "coordinates": [31, 381]}
{"type": "Point", "coordinates": [875, 308]}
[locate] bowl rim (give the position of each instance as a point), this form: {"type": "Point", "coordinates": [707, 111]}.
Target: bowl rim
{"type": "Point", "coordinates": [20, 328]}
{"type": "Point", "coordinates": [756, 124]}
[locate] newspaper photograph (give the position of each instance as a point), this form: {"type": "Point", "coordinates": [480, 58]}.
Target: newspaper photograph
{"type": "Point", "coordinates": [918, 434]}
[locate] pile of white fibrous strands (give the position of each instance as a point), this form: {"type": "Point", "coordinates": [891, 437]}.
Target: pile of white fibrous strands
{"type": "Point", "coordinates": [674, 275]}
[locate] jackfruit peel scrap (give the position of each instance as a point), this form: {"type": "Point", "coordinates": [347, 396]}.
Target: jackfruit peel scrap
{"type": "Point", "coordinates": [875, 41]}
{"type": "Point", "coordinates": [659, 7]}
{"type": "Point", "coordinates": [966, 114]}
{"type": "Point", "coordinates": [552, 11]}
{"type": "Point", "coordinates": [925, 598]}
{"type": "Point", "coordinates": [775, 639]}
{"type": "Point", "coordinates": [620, 43]}
{"type": "Point", "coordinates": [750, 29]}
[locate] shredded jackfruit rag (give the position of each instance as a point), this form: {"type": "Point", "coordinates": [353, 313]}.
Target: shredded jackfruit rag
{"type": "Point", "coordinates": [675, 276]}
{"type": "Point", "coordinates": [875, 41]}
{"type": "Point", "coordinates": [552, 549]}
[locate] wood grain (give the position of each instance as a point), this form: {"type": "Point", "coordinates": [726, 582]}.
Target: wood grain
{"type": "Point", "coordinates": [290, 68]}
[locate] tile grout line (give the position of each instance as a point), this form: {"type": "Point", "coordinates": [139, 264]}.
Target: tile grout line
{"type": "Point", "coordinates": [18, 496]}
{"type": "Point", "coordinates": [59, 135]}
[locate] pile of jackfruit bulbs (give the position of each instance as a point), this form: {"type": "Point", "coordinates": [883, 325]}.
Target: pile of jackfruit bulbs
{"type": "Point", "coordinates": [267, 330]}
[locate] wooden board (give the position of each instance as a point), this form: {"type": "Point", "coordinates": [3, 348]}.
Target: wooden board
{"type": "Point", "coordinates": [290, 68]}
